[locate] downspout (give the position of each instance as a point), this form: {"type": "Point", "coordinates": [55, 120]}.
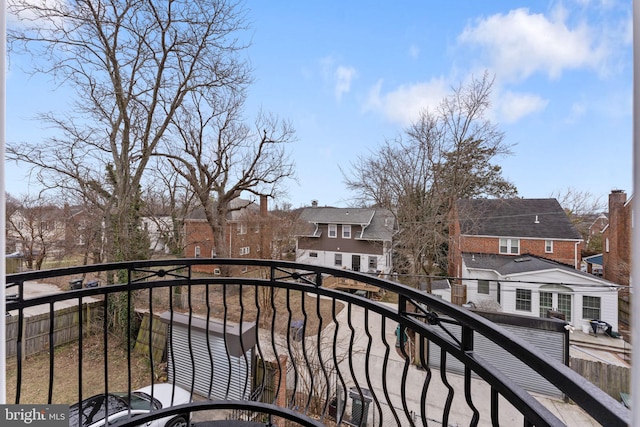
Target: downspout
{"type": "Point", "coordinates": [575, 257]}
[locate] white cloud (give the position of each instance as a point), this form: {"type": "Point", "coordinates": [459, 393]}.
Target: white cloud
{"type": "Point", "coordinates": [343, 76]}
{"type": "Point", "coordinates": [512, 106]}
{"type": "Point", "coordinates": [404, 104]}
{"type": "Point", "coordinates": [520, 44]}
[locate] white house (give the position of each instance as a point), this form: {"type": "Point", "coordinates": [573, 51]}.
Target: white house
{"type": "Point", "coordinates": [530, 285]}
{"type": "Point", "coordinates": [359, 239]}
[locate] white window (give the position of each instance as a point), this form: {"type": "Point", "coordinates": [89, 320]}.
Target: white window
{"type": "Point", "coordinates": [483, 287]}
{"type": "Point", "coordinates": [346, 231]}
{"type": "Point", "coordinates": [523, 299]}
{"type": "Point", "coordinates": [197, 252]}
{"type": "Point", "coordinates": [548, 246]}
{"type": "Point", "coordinates": [338, 260]}
{"type": "Point", "coordinates": [333, 231]}
{"type": "Point", "coordinates": [510, 246]}
{"type": "Point", "coordinates": [244, 250]}
{"type": "Point", "coordinates": [242, 228]}
{"type": "Point", "coordinates": [313, 254]}
{"type": "Point", "coordinates": [373, 263]}
{"type": "Point", "coordinates": [590, 307]}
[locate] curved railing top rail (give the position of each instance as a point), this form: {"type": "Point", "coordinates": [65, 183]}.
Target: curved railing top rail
{"type": "Point", "coordinates": [593, 400]}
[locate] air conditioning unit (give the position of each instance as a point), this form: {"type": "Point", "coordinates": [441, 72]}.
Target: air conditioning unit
{"type": "Point", "coordinates": [216, 271]}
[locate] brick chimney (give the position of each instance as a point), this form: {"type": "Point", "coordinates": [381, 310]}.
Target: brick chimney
{"type": "Point", "coordinates": [263, 205]}
{"type": "Point", "coordinates": [617, 240]}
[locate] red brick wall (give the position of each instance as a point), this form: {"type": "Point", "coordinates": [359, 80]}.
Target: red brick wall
{"type": "Point", "coordinates": [563, 251]}
{"type": "Point", "coordinates": [617, 260]}
{"type": "Point", "coordinates": [198, 233]}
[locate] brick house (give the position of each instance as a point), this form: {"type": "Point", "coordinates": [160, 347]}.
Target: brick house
{"type": "Point", "coordinates": [359, 239]}
{"type": "Point", "coordinates": [247, 235]}
{"type": "Point", "coordinates": [523, 256]}
{"type": "Point", "coordinates": [513, 227]}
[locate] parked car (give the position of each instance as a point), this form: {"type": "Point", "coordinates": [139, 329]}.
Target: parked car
{"type": "Point", "coordinates": [93, 411]}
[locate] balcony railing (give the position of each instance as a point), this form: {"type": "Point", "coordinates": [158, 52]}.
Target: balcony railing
{"type": "Point", "coordinates": [277, 343]}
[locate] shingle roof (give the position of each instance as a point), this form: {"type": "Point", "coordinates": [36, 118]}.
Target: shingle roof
{"type": "Point", "coordinates": [506, 265]}
{"type": "Point", "coordinates": [379, 223]}
{"type": "Point", "coordinates": [527, 218]}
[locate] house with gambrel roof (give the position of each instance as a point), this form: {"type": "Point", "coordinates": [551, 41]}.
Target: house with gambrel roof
{"type": "Point", "coordinates": [359, 239]}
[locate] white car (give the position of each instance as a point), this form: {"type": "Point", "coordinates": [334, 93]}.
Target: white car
{"type": "Point", "coordinates": [94, 413]}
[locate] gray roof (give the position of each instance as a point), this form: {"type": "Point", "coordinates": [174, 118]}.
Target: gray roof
{"type": "Point", "coordinates": [527, 218]}
{"type": "Point", "coordinates": [506, 265]}
{"type": "Point", "coordinates": [379, 224]}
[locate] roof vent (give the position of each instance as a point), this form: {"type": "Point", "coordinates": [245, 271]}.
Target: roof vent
{"type": "Point", "coordinates": [522, 259]}
{"type": "Point", "coordinates": [536, 220]}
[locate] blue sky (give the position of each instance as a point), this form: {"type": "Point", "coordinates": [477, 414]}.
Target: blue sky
{"type": "Point", "coordinates": [349, 75]}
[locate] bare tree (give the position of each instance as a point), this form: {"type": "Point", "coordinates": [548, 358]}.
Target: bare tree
{"type": "Point", "coordinates": [221, 157]}
{"type": "Point", "coordinates": [583, 208]}
{"type": "Point", "coordinates": [447, 154]}
{"type": "Point", "coordinates": [37, 228]}
{"type": "Point", "coordinates": [133, 65]}
{"type": "Point", "coordinates": [168, 201]}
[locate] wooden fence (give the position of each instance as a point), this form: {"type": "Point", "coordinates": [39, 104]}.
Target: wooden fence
{"type": "Point", "coordinates": [612, 379]}
{"type": "Point", "coordinates": [37, 328]}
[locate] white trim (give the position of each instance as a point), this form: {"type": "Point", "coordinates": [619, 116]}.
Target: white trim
{"type": "Point", "coordinates": [332, 228]}
{"type": "Point", "coordinates": [346, 228]}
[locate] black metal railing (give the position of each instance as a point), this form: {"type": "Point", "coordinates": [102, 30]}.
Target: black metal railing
{"type": "Point", "coordinates": [277, 343]}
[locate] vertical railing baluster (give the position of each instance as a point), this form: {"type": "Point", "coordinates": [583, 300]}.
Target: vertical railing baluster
{"type": "Point", "coordinates": [385, 364]}
{"type": "Point", "coordinates": [19, 343]}
{"type": "Point", "coordinates": [494, 408]}
{"type": "Point", "coordinates": [319, 345]}
{"type": "Point", "coordinates": [128, 335]}
{"type": "Point", "coordinates": [425, 388]}
{"type": "Point", "coordinates": [467, 347]}
{"type": "Point", "coordinates": [303, 342]}
{"type": "Point", "coordinates": [292, 355]}
{"type": "Point", "coordinates": [105, 341]}
{"type": "Point", "coordinates": [340, 407]}
{"type": "Point", "coordinates": [262, 385]}
{"type": "Point", "coordinates": [367, 366]}
{"type": "Point", "coordinates": [150, 337]}
{"type": "Point", "coordinates": [279, 387]}
{"type": "Point", "coordinates": [225, 339]}
{"type": "Point", "coordinates": [354, 376]}
{"type": "Point", "coordinates": [207, 294]}
{"type": "Point", "coordinates": [52, 317]}
{"type": "Point", "coordinates": [445, 381]}
{"type": "Point", "coordinates": [242, 348]}
{"type": "Point", "coordinates": [192, 358]}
